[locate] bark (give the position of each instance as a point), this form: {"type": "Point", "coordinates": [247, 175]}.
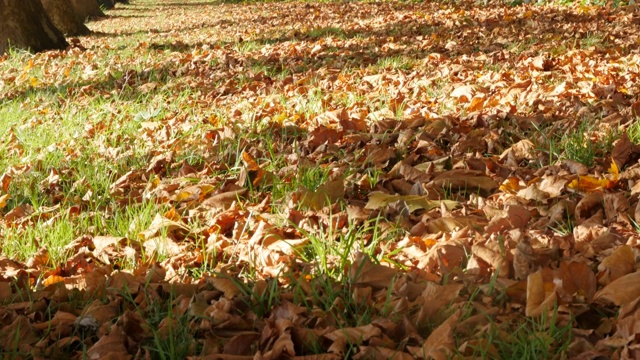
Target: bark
{"type": "Point", "coordinates": [64, 17]}
{"type": "Point", "coordinates": [107, 4]}
{"type": "Point", "coordinates": [26, 25]}
{"type": "Point", "coordinates": [87, 8]}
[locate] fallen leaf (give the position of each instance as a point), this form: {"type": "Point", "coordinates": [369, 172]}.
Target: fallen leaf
{"type": "Point", "coordinates": [364, 272]}
{"type": "Point", "coordinates": [325, 195]}
{"type": "Point", "coordinates": [378, 200]}
{"type": "Point", "coordinates": [468, 181]}
{"type": "Point", "coordinates": [621, 291]}
{"type": "Point", "coordinates": [110, 346]}
{"type": "Point", "coordinates": [440, 344]}
{"type": "Point", "coordinates": [541, 296]}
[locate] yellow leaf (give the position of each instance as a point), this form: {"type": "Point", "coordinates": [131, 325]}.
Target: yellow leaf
{"type": "Point", "coordinates": [3, 200]}
{"type": "Point", "coordinates": [34, 81]}
{"type": "Point", "coordinates": [183, 195]}
{"type": "Point", "coordinates": [614, 170]}
{"type": "Point", "coordinates": [589, 184]}
{"type": "Point", "coordinates": [379, 200]}
{"type": "Point", "coordinates": [280, 118]}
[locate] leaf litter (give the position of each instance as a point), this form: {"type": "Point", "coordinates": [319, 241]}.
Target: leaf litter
{"type": "Point", "coordinates": [375, 180]}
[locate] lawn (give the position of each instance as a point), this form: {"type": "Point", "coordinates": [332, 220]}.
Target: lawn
{"type": "Point", "coordinates": [324, 180]}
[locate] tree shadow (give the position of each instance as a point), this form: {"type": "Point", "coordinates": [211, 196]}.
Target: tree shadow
{"type": "Point", "coordinates": [406, 37]}
{"type": "Point", "coordinates": [189, 4]}
{"type": "Point", "coordinates": [371, 49]}
{"type": "Point", "coordinates": [116, 15]}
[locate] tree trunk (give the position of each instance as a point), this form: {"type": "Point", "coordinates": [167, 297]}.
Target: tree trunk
{"type": "Point", "coordinates": [64, 17]}
{"type": "Point", "coordinates": [26, 25]}
{"type": "Point", "coordinates": [87, 8]}
{"type": "Point", "coordinates": [107, 4]}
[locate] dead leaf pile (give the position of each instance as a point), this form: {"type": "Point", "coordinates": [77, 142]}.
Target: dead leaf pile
{"type": "Point", "coordinates": [326, 180]}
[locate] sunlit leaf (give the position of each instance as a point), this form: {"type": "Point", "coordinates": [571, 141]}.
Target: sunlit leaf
{"type": "Point", "coordinates": [378, 200]}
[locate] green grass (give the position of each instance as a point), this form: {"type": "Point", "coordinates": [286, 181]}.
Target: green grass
{"type": "Point", "coordinates": [585, 145]}
{"type": "Point", "coordinates": [592, 40]}
{"type": "Point", "coordinates": [398, 62]}
{"type": "Point", "coordinates": [85, 128]}
{"type": "Point", "coordinates": [326, 32]}
{"type": "Point", "coordinates": [634, 131]}
{"type": "Point", "coordinates": [523, 338]}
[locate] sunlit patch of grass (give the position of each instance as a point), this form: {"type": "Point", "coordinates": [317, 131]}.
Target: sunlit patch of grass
{"type": "Point", "coordinates": [326, 31]}
{"type": "Point", "coordinates": [278, 71]}
{"type": "Point", "coordinates": [524, 338]}
{"type": "Point", "coordinates": [397, 62]}
{"type": "Point", "coordinates": [592, 40]}
{"type": "Point", "coordinates": [522, 46]}
{"type": "Point", "coordinates": [584, 145]}
{"type": "Point", "coordinates": [54, 233]}
{"type": "Point", "coordinates": [634, 131]}
{"type": "Point", "coordinates": [22, 244]}
{"type": "Point", "coordinates": [309, 105]}
{"type": "Point", "coordinates": [248, 46]}
{"type": "Point", "coordinates": [558, 50]}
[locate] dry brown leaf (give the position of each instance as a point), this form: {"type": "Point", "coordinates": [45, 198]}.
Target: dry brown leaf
{"type": "Point", "coordinates": [325, 195]}
{"type": "Point", "coordinates": [621, 262]}
{"type": "Point", "coordinates": [20, 328]}
{"type": "Point", "coordinates": [226, 285]}
{"type": "Point", "coordinates": [621, 291]}
{"type": "Point", "coordinates": [224, 200]}
{"type": "Point", "coordinates": [541, 296]}
{"type": "Point", "coordinates": [380, 353]}
{"type": "Point", "coordinates": [110, 346]}
{"type": "Point", "coordinates": [515, 217]}
{"type": "Point", "coordinates": [468, 181]}
{"type": "Point", "coordinates": [5, 181]}
{"type": "Point", "coordinates": [496, 260]}
{"type": "Point", "coordinates": [124, 282]}
{"type": "Point", "coordinates": [440, 344]}
{"type": "Point", "coordinates": [378, 200]}
{"type": "Point", "coordinates": [354, 335]}
{"type": "Point", "coordinates": [588, 206]}
{"type": "Point", "coordinates": [364, 272]}
{"type": "Point", "coordinates": [553, 185]}
{"type": "Point", "coordinates": [434, 299]}
{"type": "Point", "coordinates": [621, 151]}
{"type": "Point", "coordinates": [615, 206]}
{"type": "Point", "coordinates": [464, 93]}
{"type": "Point", "coordinates": [449, 224]}
{"type": "Point", "coordinates": [533, 192]}
{"type": "Point", "coordinates": [163, 226]}
{"type": "Point", "coordinates": [575, 282]}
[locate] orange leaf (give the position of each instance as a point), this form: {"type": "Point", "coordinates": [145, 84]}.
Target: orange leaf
{"type": "Point", "coordinates": [511, 185]}
{"type": "Point", "coordinates": [614, 170]}
{"type": "Point", "coordinates": [257, 175]}
{"type": "Point", "coordinates": [52, 279]}
{"type": "Point", "coordinates": [589, 184]}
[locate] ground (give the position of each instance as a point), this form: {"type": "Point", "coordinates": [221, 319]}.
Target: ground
{"type": "Point", "coordinates": [326, 180]}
